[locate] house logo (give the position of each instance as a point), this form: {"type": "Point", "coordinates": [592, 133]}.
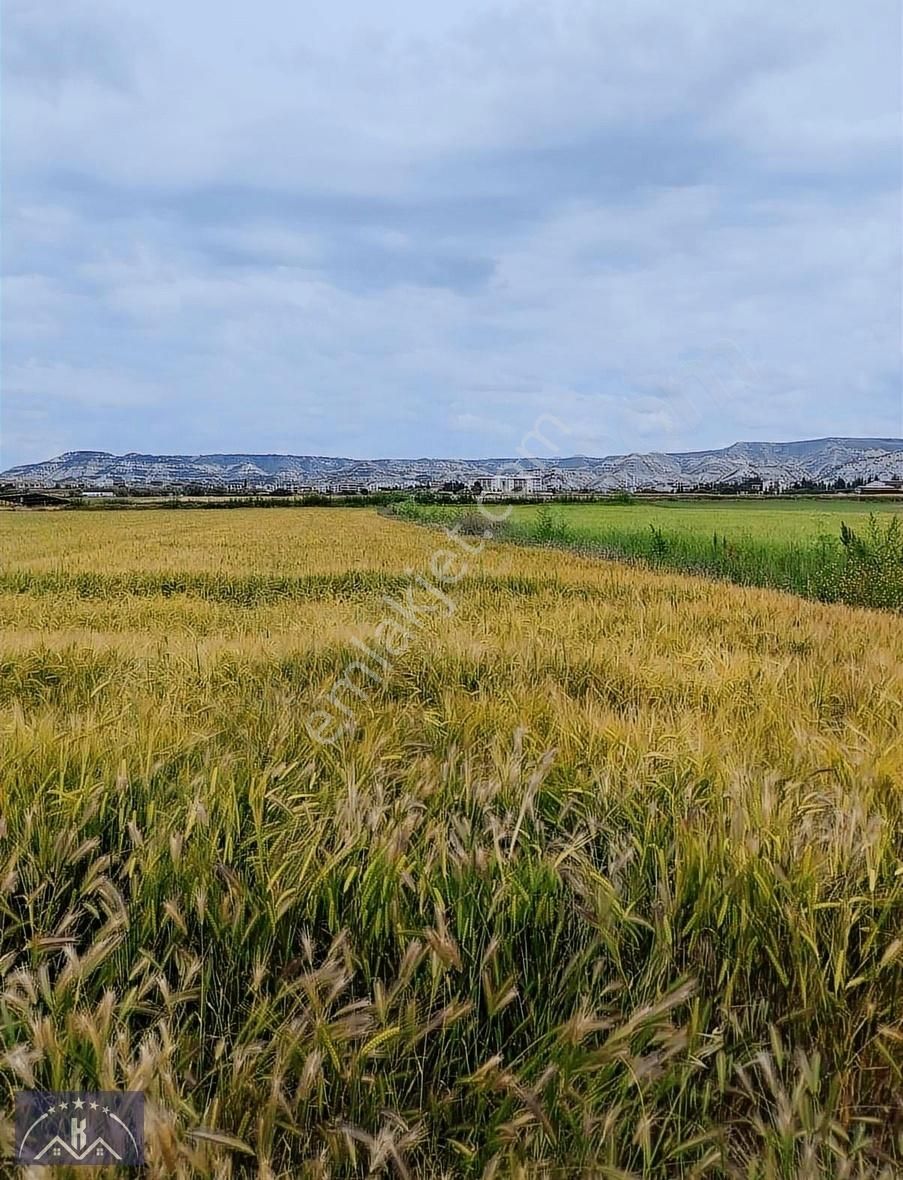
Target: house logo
{"type": "Point", "coordinates": [80, 1127]}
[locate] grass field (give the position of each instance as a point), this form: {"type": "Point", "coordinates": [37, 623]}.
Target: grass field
{"type": "Point", "coordinates": [789, 520]}
{"type": "Point", "coordinates": [790, 545]}
{"type": "Point", "coordinates": [603, 879]}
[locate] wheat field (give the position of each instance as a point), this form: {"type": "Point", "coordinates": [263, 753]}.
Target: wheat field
{"type": "Point", "coordinates": [603, 877]}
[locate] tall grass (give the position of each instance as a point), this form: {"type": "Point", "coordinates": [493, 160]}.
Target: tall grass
{"type": "Point", "coordinates": [608, 882]}
{"type": "Point", "coordinates": [861, 566]}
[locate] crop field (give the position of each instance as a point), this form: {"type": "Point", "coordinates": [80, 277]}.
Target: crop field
{"type": "Point", "coordinates": [366, 849]}
{"type": "Point", "coordinates": [787, 520]}
{"type": "Point", "coordinates": [795, 545]}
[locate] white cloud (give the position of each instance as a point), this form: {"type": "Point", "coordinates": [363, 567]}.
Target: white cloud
{"type": "Point", "coordinates": [359, 229]}
{"type": "Point", "coordinates": [78, 387]}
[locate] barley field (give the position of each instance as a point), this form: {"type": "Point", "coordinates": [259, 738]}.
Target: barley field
{"type": "Point", "coordinates": [599, 873]}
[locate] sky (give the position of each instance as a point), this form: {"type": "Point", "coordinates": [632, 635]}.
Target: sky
{"type": "Point", "coordinates": [412, 229]}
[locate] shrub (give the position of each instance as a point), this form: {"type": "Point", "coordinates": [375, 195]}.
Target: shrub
{"type": "Point", "coordinates": [872, 570]}
{"type": "Point", "coordinates": [474, 524]}
{"type": "Point", "coordinates": [549, 528]}
{"type": "Point", "coordinates": [659, 545]}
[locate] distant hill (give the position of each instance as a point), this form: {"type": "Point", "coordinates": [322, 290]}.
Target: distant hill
{"type": "Point", "coordinates": [783, 463]}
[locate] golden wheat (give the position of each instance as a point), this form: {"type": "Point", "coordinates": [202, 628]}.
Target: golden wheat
{"type": "Point", "coordinates": [607, 881]}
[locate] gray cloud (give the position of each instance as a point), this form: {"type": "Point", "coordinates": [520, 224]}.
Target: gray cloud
{"type": "Point", "coordinates": [410, 231]}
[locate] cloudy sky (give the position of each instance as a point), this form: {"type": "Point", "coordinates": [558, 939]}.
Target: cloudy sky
{"type": "Point", "coordinates": [413, 229]}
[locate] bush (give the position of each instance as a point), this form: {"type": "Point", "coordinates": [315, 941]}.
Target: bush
{"type": "Point", "coordinates": [872, 569]}
{"type": "Point", "coordinates": [659, 547]}
{"type": "Point", "coordinates": [549, 528]}
{"type": "Point", "coordinates": [473, 524]}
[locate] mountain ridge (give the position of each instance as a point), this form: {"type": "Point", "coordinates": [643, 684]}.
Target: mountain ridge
{"type": "Point", "coordinates": [778, 463]}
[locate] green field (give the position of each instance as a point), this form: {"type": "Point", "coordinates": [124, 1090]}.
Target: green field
{"type": "Point", "coordinates": [831, 550]}
{"type": "Point", "coordinates": [775, 520]}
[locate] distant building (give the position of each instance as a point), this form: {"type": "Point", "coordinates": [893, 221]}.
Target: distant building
{"type": "Point", "coordinates": [882, 487]}
{"type": "Point", "coordinates": [515, 485]}
{"type": "Point", "coordinates": [27, 498]}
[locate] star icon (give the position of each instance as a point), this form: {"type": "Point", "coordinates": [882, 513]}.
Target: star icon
{"type": "Point", "coordinates": [51, 1110]}
{"type": "Point", "coordinates": [64, 1106]}
{"type": "Point", "coordinates": [106, 1110]}
{"type": "Point", "coordinates": [78, 1104]}
{"type": "Point", "coordinates": [93, 1105]}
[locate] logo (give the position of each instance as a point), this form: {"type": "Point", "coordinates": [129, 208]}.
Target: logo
{"type": "Point", "coordinates": [80, 1127]}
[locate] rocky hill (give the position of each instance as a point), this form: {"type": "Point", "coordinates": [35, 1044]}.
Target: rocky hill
{"type": "Point", "coordinates": [782, 464]}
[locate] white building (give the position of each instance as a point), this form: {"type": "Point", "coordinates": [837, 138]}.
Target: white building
{"type": "Point", "coordinates": [516, 485]}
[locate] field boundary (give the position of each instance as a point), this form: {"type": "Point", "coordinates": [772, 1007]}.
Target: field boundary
{"type": "Point", "coordinates": [857, 567]}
